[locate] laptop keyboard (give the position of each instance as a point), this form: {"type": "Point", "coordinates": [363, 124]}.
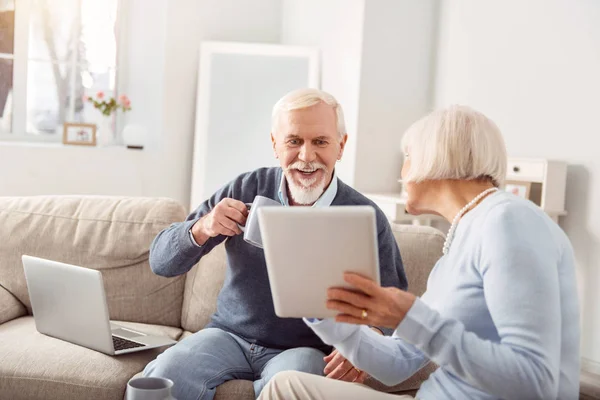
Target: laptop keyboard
{"type": "Point", "coordinates": [123, 344]}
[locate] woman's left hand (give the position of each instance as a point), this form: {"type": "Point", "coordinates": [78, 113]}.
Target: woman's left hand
{"type": "Point", "coordinates": [371, 305]}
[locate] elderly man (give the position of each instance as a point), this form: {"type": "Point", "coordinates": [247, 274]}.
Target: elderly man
{"type": "Point", "coordinates": [245, 339]}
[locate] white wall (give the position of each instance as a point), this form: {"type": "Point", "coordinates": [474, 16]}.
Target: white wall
{"type": "Point", "coordinates": [53, 169]}
{"type": "Point", "coordinates": [189, 23]}
{"type": "Point", "coordinates": [534, 68]}
{"type": "Point", "coordinates": [395, 86]}
{"type": "Point", "coordinates": [160, 72]}
{"type": "Point", "coordinates": [377, 61]}
{"type": "Point", "coordinates": [336, 27]}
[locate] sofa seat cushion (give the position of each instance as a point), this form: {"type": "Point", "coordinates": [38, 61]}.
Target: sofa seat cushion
{"type": "Point", "coordinates": [409, 386]}
{"type": "Point", "coordinates": [35, 366]}
{"type": "Point", "coordinates": [235, 390]}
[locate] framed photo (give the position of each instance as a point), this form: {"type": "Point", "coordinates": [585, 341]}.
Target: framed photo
{"type": "Point", "coordinates": [521, 189]}
{"type": "Point", "coordinates": [79, 134]}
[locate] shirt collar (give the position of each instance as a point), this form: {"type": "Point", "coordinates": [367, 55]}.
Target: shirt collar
{"type": "Point", "coordinates": [324, 201]}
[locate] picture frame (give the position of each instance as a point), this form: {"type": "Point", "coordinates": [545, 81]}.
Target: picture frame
{"type": "Point", "coordinates": [79, 134]}
{"type": "Point", "coordinates": [518, 188]}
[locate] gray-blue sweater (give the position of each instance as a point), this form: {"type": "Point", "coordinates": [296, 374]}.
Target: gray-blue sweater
{"type": "Point", "coordinates": [245, 306]}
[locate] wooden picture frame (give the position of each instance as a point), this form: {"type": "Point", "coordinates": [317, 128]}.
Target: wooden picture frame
{"type": "Point", "coordinates": [518, 188]}
{"type": "Point", "coordinates": [79, 134]}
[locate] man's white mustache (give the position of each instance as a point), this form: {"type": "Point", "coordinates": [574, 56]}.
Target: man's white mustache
{"type": "Point", "coordinates": [312, 166]}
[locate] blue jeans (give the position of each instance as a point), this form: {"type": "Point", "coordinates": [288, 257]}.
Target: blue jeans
{"type": "Point", "coordinates": [210, 357]}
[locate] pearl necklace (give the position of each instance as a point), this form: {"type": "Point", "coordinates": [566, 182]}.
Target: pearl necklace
{"type": "Point", "coordinates": [459, 215]}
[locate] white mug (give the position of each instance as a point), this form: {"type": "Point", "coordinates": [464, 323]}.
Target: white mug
{"type": "Point", "coordinates": [252, 229]}
{"type": "Point", "coordinates": [149, 388]}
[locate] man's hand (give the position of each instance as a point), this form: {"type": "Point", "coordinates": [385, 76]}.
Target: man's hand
{"type": "Point", "coordinates": [222, 220]}
{"type": "Point", "coordinates": [338, 367]}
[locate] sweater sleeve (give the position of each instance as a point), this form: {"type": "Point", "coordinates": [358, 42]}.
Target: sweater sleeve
{"type": "Point", "coordinates": [173, 252]}
{"type": "Point", "coordinates": [388, 359]}
{"type": "Point", "coordinates": [518, 262]}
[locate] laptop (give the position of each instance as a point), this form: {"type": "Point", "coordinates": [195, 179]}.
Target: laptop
{"type": "Point", "coordinates": [69, 303]}
{"type": "Point", "coordinates": [307, 251]}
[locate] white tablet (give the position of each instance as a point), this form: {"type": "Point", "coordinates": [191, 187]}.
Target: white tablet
{"type": "Point", "coordinates": [308, 249]}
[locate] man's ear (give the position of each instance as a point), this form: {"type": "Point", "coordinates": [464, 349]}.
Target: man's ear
{"type": "Point", "coordinates": [274, 145]}
{"type": "Point", "coordinates": [342, 146]}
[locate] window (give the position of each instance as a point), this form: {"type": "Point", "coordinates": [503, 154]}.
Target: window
{"type": "Point", "coordinates": [52, 54]}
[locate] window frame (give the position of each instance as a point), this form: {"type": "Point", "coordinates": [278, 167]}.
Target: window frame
{"type": "Point", "coordinates": [20, 58]}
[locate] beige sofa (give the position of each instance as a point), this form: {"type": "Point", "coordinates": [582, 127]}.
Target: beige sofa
{"type": "Point", "coordinates": [113, 235]}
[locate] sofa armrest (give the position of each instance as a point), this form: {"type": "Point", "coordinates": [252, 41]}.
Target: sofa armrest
{"type": "Point", "coordinates": [10, 307]}
{"type": "Point", "coordinates": [410, 385]}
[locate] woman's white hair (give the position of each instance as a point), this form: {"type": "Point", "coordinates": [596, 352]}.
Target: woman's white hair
{"type": "Point", "coordinates": [455, 143]}
{"type": "Point", "coordinates": [304, 98]}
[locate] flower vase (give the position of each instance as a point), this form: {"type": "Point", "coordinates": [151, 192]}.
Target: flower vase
{"type": "Point", "coordinates": [104, 132]}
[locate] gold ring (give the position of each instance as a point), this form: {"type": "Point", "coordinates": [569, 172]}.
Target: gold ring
{"type": "Point", "coordinates": [357, 370]}
{"type": "Point", "coordinates": [364, 314]}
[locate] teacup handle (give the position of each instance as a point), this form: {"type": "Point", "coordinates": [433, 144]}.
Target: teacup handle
{"type": "Point", "coordinates": [243, 228]}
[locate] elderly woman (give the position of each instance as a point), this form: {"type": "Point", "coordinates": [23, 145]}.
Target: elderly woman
{"type": "Point", "coordinates": [500, 314]}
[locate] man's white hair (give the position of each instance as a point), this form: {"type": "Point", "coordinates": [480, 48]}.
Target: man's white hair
{"type": "Point", "coordinates": [455, 143]}
{"type": "Point", "coordinates": [304, 98]}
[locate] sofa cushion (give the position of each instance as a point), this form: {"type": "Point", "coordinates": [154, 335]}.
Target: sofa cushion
{"type": "Point", "coordinates": [110, 234]}
{"type": "Point", "coordinates": [202, 286]}
{"type": "Point", "coordinates": [10, 307]}
{"type": "Point", "coordinates": [35, 366]}
{"type": "Point", "coordinates": [237, 389]}
{"type": "Point", "coordinates": [420, 249]}
{"type": "Point", "coordinates": [409, 386]}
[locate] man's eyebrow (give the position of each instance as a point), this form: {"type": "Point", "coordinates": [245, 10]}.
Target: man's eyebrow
{"type": "Point", "coordinates": [292, 137]}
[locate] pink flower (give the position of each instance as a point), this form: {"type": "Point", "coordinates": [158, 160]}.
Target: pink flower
{"type": "Point", "coordinates": [127, 103]}
{"type": "Point", "coordinates": [100, 95]}
{"type": "Point", "coordinates": [85, 97]}
{"type": "Point", "coordinates": [123, 99]}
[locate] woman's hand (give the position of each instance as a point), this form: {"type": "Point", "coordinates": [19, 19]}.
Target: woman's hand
{"type": "Point", "coordinates": [369, 304]}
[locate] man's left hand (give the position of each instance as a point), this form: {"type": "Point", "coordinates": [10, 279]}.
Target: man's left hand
{"type": "Point", "coordinates": [338, 367]}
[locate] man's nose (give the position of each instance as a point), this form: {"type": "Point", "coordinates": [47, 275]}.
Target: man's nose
{"type": "Point", "coordinates": [307, 153]}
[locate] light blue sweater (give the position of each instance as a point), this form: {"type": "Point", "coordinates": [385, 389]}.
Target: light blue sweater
{"type": "Point", "coordinates": [500, 314]}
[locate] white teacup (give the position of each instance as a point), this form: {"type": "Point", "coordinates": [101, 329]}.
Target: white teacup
{"type": "Point", "coordinates": [149, 388]}
{"type": "Point", "coordinates": [252, 228]}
